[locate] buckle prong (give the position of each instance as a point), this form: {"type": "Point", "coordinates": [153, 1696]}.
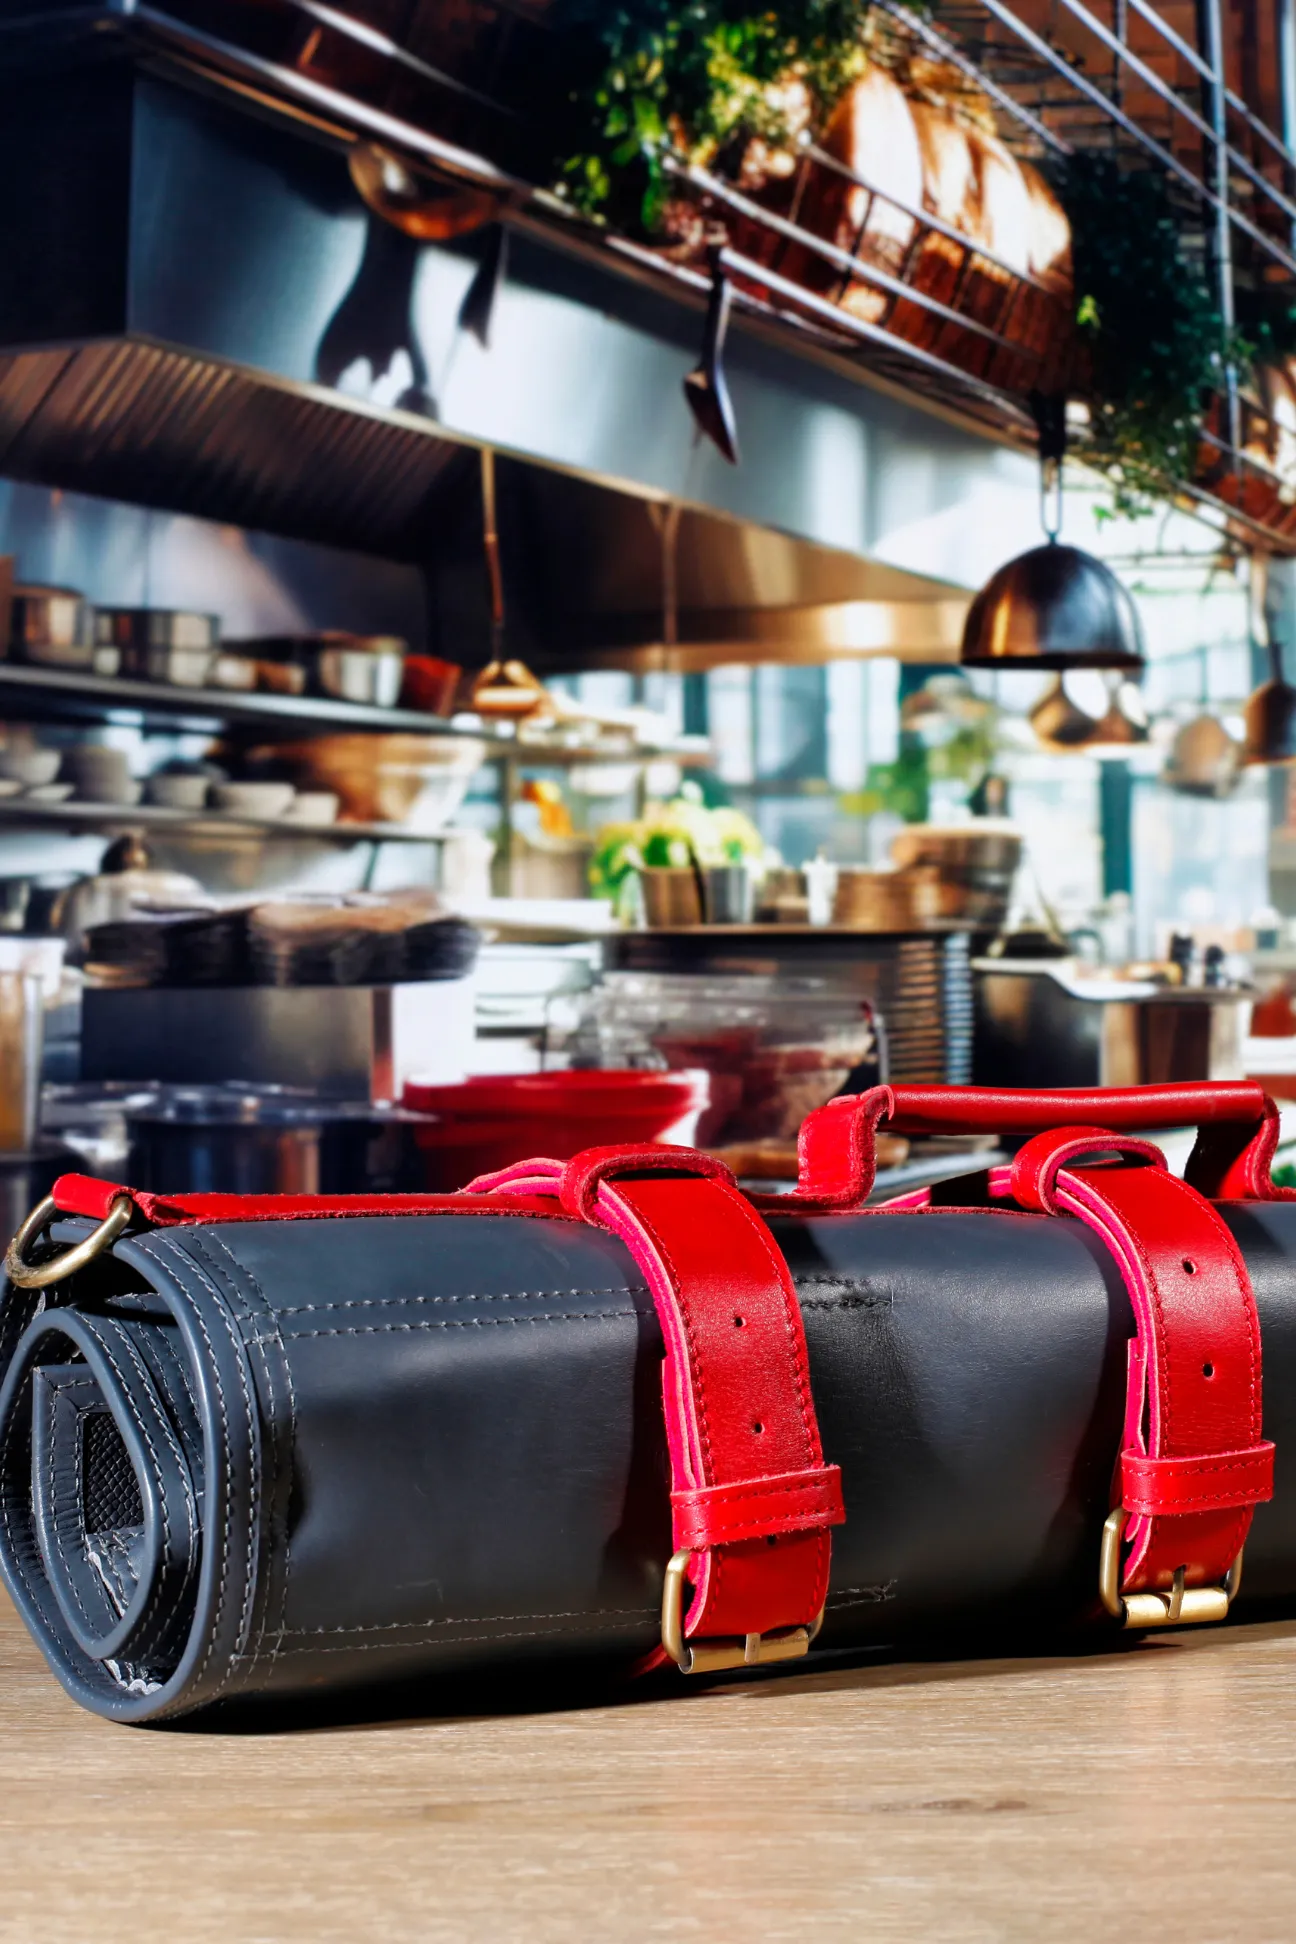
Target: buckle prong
{"type": "Point", "coordinates": [720, 1655]}
{"type": "Point", "coordinates": [1181, 1606]}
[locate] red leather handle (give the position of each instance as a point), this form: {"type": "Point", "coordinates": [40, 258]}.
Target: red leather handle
{"type": "Point", "coordinates": [1237, 1127]}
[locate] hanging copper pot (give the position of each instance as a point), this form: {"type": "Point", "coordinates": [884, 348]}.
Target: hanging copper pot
{"type": "Point", "coordinates": [420, 205]}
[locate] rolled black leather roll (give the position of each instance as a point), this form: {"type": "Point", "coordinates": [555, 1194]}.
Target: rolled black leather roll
{"type": "Point", "coordinates": [266, 1458]}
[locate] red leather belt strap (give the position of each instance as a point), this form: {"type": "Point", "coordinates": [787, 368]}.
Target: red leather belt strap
{"type": "Point", "coordinates": [752, 1498]}
{"type": "Point", "coordinates": [76, 1194]}
{"type": "Point", "coordinates": [1237, 1130]}
{"type": "Point", "coordinates": [1193, 1465]}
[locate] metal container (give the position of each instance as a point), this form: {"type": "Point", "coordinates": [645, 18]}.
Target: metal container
{"type": "Point", "coordinates": [53, 627]}
{"type": "Point", "coordinates": [135, 630]}
{"type": "Point", "coordinates": [161, 644]}
{"type": "Point", "coordinates": [362, 669]}
{"type": "Point", "coordinates": [1040, 1025]}
{"type": "Point", "coordinates": [728, 894]}
{"type": "Point", "coordinates": [264, 1141]}
{"type": "Point", "coordinates": [349, 1042]}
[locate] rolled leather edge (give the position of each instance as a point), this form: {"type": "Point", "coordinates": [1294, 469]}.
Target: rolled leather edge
{"type": "Point", "coordinates": [420, 1444]}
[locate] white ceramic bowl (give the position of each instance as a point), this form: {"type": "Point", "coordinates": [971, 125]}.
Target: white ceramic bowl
{"type": "Point", "coordinates": [261, 800]}
{"type": "Point", "coordinates": [314, 807]}
{"type": "Point", "coordinates": [30, 767]}
{"type": "Point", "coordinates": [178, 792]}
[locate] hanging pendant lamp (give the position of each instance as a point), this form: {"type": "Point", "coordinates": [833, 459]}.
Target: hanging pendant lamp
{"type": "Point", "coordinates": [1054, 607]}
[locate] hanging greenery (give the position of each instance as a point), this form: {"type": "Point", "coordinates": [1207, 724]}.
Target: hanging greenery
{"type": "Point", "coordinates": [1152, 341]}
{"type": "Point", "coordinates": [646, 79]}
{"type": "Point", "coordinates": [649, 76]}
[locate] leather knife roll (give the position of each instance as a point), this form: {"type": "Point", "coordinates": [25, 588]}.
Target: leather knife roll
{"type": "Point", "coordinates": [260, 1458]}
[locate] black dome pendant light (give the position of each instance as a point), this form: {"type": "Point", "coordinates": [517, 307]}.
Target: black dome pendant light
{"type": "Point", "coordinates": [1054, 607]}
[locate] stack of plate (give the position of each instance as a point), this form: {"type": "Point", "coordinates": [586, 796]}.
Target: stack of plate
{"type": "Point", "coordinates": [171, 948]}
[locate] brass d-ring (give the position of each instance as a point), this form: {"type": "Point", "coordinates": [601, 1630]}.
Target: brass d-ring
{"type": "Point", "coordinates": [28, 1275]}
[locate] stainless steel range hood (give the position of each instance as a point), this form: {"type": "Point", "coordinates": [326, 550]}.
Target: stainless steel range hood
{"type": "Point", "coordinates": [209, 321]}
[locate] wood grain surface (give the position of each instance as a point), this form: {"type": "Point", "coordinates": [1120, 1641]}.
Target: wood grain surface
{"type": "Point", "coordinates": [1147, 1791]}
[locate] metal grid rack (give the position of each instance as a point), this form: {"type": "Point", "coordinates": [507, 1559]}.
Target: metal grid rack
{"type": "Point", "coordinates": [1160, 85]}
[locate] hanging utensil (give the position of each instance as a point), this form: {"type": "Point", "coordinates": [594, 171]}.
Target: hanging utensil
{"type": "Point", "coordinates": [706, 388]}
{"type": "Point", "coordinates": [1204, 760]}
{"type": "Point", "coordinates": [477, 312]}
{"type": "Point", "coordinates": [1123, 722]}
{"type": "Point", "coordinates": [1057, 722]}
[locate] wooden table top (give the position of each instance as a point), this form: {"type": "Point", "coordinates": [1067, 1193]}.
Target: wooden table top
{"type": "Point", "coordinates": [1139, 1793]}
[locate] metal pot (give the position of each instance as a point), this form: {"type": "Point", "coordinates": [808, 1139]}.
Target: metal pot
{"type": "Point", "coordinates": [263, 1141]}
{"type": "Point", "coordinates": [54, 627]}
{"type": "Point", "coordinates": [362, 669]}
{"type": "Point", "coordinates": [1204, 759]}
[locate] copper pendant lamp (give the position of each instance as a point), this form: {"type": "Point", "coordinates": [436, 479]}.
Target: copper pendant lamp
{"type": "Point", "coordinates": [1271, 716]}
{"type": "Point", "coordinates": [1054, 607]}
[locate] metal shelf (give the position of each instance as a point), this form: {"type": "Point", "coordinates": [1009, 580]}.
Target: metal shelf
{"type": "Point", "coordinates": [45, 694]}
{"type": "Point", "coordinates": [118, 818]}
{"type": "Point", "coordinates": [90, 698]}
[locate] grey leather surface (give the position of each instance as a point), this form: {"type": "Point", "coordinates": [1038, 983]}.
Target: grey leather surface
{"type": "Point", "coordinates": [372, 1449]}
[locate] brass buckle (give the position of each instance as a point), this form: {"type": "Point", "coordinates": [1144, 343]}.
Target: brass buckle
{"type": "Point", "coordinates": [30, 1275]}
{"type": "Point", "coordinates": [718, 1656]}
{"type": "Point", "coordinates": [1182, 1606]}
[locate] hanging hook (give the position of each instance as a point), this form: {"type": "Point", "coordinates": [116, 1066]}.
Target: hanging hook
{"type": "Point", "coordinates": [705, 387]}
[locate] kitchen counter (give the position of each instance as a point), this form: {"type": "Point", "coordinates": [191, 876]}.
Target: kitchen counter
{"type": "Point", "coordinates": [1143, 1790]}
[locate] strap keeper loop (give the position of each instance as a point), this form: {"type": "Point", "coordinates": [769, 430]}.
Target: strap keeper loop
{"type": "Point", "coordinates": [757, 1508]}
{"type": "Point", "coordinates": [1154, 1488]}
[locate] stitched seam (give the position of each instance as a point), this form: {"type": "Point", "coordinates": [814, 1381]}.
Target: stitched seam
{"type": "Point", "coordinates": [470, 1296]}
{"type": "Point", "coordinates": [722, 1495]}
{"type": "Point", "coordinates": [79, 1443]}
{"type": "Point", "coordinates": [143, 1635]}
{"type": "Point", "coordinates": [254, 1487]}
{"type": "Point", "coordinates": [197, 1249]}
{"type": "Point", "coordinates": [292, 1439]}
{"type": "Point", "coordinates": [1199, 1502]}
{"type": "Point", "coordinates": [462, 1640]}
{"type": "Point", "coordinates": [805, 1521]}
{"type": "Point", "coordinates": [476, 1620]}
{"type": "Point", "coordinates": [191, 1511]}
{"type": "Point", "coordinates": [1199, 1467]}
{"type": "Point", "coordinates": [467, 1323]}
{"type": "Point", "coordinates": [228, 1466]}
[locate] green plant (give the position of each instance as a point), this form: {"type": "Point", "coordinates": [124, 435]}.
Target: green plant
{"type": "Point", "coordinates": [680, 833]}
{"type": "Point", "coordinates": [651, 76]}
{"type": "Point", "coordinates": [1153, 343]}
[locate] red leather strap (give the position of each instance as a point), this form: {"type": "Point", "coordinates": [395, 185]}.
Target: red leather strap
{"type": "Point", "coordinates": [75, 1194]}
{"type": "Point", "coordinates": [1237, 1127]}
{"type": "Point", "coordinates": [1155, 1487]}
{"type": "Point", "coordinates": [1193, 1465]}
{"type": "Point", "coordinates": [752, 1498]}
